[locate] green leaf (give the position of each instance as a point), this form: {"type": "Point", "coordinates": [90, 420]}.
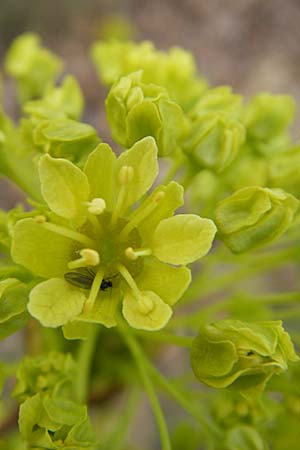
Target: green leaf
{"type": "Point", "coordinates": [100, 171]}
{"type": "Point", "coordinates": [142, 157]}
{"type": "Point", "coordinates": [168, 282]}
{"type": "Point", "coordinates": [55, 302]}
{"type": "Point", "coordinates": [183, 238]}
{"type": "Point", "coordinates": [30, 248]}
{"type": "Point", "coordinates": [154, 319]}
{"type": "Point", "coordinates": [64, 187]}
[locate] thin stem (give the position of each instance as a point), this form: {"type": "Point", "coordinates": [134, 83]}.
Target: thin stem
{"type": "Point", "coordinates": [140, 361]}
{"type": "Point", "coordinates": [179, 341]}
{"type": "Point", "coordinates": [84, 361]}
{"type": "Point", "coordinates": [181, 399]}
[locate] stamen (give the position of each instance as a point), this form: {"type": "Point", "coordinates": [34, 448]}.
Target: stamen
{"type": "Point", "coordinates": [89, 257]}
{"type": "Point", "coordinates": [94, 291]}
{"type": "Point", "coordinates": [145, 304]}
{"type": "Point", "coordinates": [96, 224]}
{"type": "Point", "coordinates": [125, 177]}
{"type": "Point", "coordinates": [97, 206]}
{"type": "Point", "coordinates": [133, 254]}
{"type": "Point", "coordinates": [141, 213]}
{"type": "Point", "coordinates": [66, 232]}
{"type": "Point", "coordinates": [130, 281]}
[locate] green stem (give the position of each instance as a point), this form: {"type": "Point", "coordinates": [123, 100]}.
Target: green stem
{"type": "Point", "coordinates": [168, 338]}
{"type": "Point", "coordinates": [182, 400]}
{"type": "Point", "coordinates": [140, 361]}
{"type": "Point", "coordinates": [84, 361]}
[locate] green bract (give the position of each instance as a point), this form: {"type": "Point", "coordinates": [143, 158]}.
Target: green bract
{"type": "Point", "coordinates": [32, 66]}
{"type": "Point", "coordinates": [136, 110]}
{"type": "Point", "coordinates": [254, 216]}
{"type": "Point", "coordinates": [241, 355]}
{"type": "Point", "coordinates": [102, 251]}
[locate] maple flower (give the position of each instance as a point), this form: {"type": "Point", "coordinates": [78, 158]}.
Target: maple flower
{"type": "Point", "coordinates": [103, 242]}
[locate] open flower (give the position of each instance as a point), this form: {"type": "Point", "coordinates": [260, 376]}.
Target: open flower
{"type": "Point", "coordinates": [95, 250]}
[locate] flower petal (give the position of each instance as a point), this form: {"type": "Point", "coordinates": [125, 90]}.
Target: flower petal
{"type": "Point", "coordinates": [104, 309]}
{"type": "Point", "coordinates": [173, 199]}
{"type": "Point", "coordinates": [77, 330]}
{"type": "Point", "coordinates": [155, 319]}
{"type": "Point", "coordinates": [142, 157]}
{"type": "Point", "coordinates": [55, 302]}
{"type": "Point", "coordinates": [43, 252]}
{"type": "Point", "coordinates": [64, 187]}
{"type": "Point", "coordinates": [183, 238]}
{"type": "Point", "coordinates": [168, 282]}
{"type": "Point", "coordinates": [100, 170]}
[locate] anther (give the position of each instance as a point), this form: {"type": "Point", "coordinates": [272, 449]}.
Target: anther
{"type": "Point", "coordinates": [40, 219]}
{"type": "Point", "coordinates": [133, 254]}
{"type": "Point", "coordinates": [145, 305]}
{"type": "Point", "coordinates": [89, 257]}
{"type": "Point", "coordinates": [126, 174]}
{"type": "Point", "coordinates": [97, 206]}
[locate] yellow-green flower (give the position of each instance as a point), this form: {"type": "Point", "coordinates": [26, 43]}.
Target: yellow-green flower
{"type": "Point", "coordinates": [103, 242]}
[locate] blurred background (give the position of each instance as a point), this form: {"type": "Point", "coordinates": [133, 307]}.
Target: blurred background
{"type": "Point", "coordinates": [251, 45]}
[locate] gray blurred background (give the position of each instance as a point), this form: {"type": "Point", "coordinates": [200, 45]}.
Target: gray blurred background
{"type": "Point", "coordinates": [252, 45]}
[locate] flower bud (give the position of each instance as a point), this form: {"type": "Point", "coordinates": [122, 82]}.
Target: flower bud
{"type": "Point", "coordinates": [284, 171]}
{"type": "Point", "coordinates": [136, 110]}
{"type": "Point", "coordinates": [214, 140]}
{"type": "Point", "coordinates": [267, 119]}
{"type": "Point", "coordinates": [219, 99]}
{"type": "Point", "coordinates": [31, 65]}
{"type": "Point", "coordinates": [254, 216]}
{"type": "Point", "coordinates": [241, 355]}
